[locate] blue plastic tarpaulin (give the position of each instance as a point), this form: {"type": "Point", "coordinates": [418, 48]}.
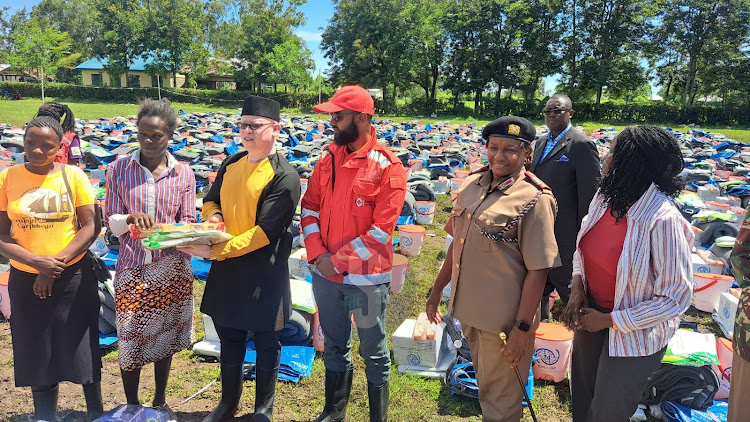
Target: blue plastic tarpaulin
{"type": "Point", "coordinates": [296, 362]}
{"type": "Point", "coordinates": [674, 412]}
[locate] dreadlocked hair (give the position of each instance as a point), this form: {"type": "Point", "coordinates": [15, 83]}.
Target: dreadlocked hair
{"type": "Point", "coordinates": [642, 155]}
{"type": "Point", "coordinates": [161, 109]}
{"type": "Point", "coordinates": [57, 111]}
{"type": "Point", "coordinates": [45, 121]}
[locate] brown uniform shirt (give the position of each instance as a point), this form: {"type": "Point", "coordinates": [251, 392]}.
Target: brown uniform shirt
{"type": "Point", "coordinates": [487, 277]}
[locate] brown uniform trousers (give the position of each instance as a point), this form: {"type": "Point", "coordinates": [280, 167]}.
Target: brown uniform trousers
{"type": "Point", "coordinates": [488, 277]}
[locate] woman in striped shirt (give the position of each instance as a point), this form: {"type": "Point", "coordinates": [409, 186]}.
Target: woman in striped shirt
{"type": "Point", "coordinates": [631, 275]}
{"type": "Point", "coordinates": [153, 290]}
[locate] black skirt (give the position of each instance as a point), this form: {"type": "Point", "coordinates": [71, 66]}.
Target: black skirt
{"type": "Point", "coordinates": [55, 339]}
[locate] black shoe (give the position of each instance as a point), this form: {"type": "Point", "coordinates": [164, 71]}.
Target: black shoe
{"type": "Point", "coordinates": [45, 404]}
{"type": "Point", "coordinates": [93, 394]}
{"type": "Point", "coordinates": [378, 397]}
{"type": "Point", "coordinates": [338, 387]}
{"type": "Point", "coordinates": [231, 391]}
{"type": "Point", "coordinates": [265, 391]}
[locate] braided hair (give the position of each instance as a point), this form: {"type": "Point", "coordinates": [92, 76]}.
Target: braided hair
{"type": "Point", "coordinates": [57, 111]}
{"type": "Point", "coordinates": [45, 121]}
{"type": "Point", "coordinates": [642, 155]}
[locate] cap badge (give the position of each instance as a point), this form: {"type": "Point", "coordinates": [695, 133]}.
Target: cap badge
{"type": "Point", "coordinates": [514, 130]}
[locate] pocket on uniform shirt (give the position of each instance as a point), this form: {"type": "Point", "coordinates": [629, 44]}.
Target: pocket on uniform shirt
{"type": "Point", "coordinates": [364, 195]}
{"type": "Point", "coordinates": [493, 225]}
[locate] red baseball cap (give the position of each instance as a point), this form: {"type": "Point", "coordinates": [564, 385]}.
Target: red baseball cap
{"type": "Point", "coordinates": [350, 97]}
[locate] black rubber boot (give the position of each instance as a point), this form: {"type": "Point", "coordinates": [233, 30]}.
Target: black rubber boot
{"type": "Point", "coordinates": [93, 394]}
{"type": "Point", "coordinates": [45, 404]}
{"type": "Point", "coordinates": [338, 387]}
{"type": "Point", "coordinates": [265, 391]}
{"type": "Point", "coordinates": [231, 391]}
{"type": "Point", "coordinates": [378, 397]}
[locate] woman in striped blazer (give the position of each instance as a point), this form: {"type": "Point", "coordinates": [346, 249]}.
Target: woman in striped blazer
{"type": "Point", "coordinates": [631, 275]}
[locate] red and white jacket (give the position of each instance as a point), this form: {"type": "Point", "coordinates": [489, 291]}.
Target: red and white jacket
{"type": "Point", "coordinates": [355, 220]}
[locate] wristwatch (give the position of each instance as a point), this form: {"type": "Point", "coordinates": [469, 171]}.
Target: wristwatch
{"type": "Point", "coordinates": [522, 325]}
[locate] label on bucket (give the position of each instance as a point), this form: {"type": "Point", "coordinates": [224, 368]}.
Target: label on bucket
{"type": "Point", "coordinates": [547, 356]}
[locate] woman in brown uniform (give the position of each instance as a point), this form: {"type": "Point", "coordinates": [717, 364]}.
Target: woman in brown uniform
{"type": "Point", "coordinates": [504, 244]}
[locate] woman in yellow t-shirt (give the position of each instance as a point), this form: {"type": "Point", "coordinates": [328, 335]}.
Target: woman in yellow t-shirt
{"type": "Point", "coordinates": [55, 310]}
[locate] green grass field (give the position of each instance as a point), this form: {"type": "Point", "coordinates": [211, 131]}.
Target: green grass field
{"type": "Point", "coordinates": [19, 112]}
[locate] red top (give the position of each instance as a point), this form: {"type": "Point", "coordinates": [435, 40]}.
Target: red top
{"type": "Point", "coordinates": [601, 248]}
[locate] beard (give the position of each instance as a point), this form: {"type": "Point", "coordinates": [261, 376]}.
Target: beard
{"type": "Point", "coordinates": [347, 135]}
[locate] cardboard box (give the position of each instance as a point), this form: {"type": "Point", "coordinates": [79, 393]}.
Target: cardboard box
{"type": "Point", "coordinates": [298, 264]}
{"type": "Point", "coordinates": [700, 266]}
{"type": "Point", "coordinates": [726, 311]}
{"type": "Point", "coordinates": [425, 353]}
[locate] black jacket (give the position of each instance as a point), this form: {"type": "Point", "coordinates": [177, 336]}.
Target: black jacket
{"type": "Point", "coordinates": [252, 291]}
{"type": "Point", "coordinates": [572, 171]}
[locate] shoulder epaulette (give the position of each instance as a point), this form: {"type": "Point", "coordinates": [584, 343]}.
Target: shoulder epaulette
{"type": "Point", "coordinates": [534, 180]}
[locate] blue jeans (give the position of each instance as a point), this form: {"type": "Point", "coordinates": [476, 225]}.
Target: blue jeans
{"type": "Point", "coordinates": [336, 302]}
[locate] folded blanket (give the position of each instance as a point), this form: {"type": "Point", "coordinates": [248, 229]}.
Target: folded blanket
{"type": "Point", "coordinates": [422, 191]}
{"type": "Point", "coordinates": [691, 386]}
{"type": "Point", "coordinates": [297, 331]}
{"type": "Point", "coordinates": [408, 208]}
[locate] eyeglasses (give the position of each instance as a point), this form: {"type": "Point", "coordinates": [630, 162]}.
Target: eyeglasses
{"type": "Point", "coordinates": [555, 111]}
{"type": "Point", "coordinates": [338, 115]}
{"type": "Point", "coordinates": [253, 126]}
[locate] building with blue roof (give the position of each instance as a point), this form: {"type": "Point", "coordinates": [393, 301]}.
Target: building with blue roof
{"type": "Point", "coordinates": [94, 72]}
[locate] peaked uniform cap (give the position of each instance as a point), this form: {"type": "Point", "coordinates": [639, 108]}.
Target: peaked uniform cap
{"type": "Point", "coordinates": [510, 127]}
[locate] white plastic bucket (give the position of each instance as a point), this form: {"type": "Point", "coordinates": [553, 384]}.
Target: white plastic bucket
{"type": "Point", "coordinates": [425, 212]}
{"type": "Point", "coordinates": [410, 239]}
{"type": "Point", "coordinates": [441, 185]}
{"type": "Point", "coordinates": [454, 195]}
{"type": "Point", "coordinates": [725, 353]}
{"type": "Point", "coordinates": [475, 166]}
{"type": "Point", "coordinates": [462, 174]}
{"type": "Point", "coordinates": [4, 297]}
{"type": "Point", "coordinates": [724, 376]}
{"type": "Point", "coordinates": [708, 289]}
{"type": "Point", "coordinates": [456, 183]}
{"type": "Point", "coordinates": [398, 273]}
{"type": "Point", "coordinates": [552, 346]}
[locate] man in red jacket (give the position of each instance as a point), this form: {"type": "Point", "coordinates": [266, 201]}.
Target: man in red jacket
{"type": "Point", "coordinates": [349, 211]}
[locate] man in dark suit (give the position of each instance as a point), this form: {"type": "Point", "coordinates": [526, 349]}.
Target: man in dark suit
{"type": "Point", "coordinates": [568, 162]}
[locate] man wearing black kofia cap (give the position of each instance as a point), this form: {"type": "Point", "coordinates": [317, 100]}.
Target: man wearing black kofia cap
{"type": "Point", "coordinates": [504, 244]}
{"type": "Point", "coordinates": [255, 194]}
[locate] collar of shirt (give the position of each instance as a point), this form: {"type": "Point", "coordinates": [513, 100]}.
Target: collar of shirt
{"type": "Point", "coordinates": [172, 162]}
{"type": "Point", "coordinates": [558, 137]}
{"type": "Point", "coordinates": [485, 181]}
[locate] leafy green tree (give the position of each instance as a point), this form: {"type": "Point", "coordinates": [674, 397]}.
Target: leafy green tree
{"type": "Point", "coordinates": [38, 46]}
{"type": "Point", "coordinates": [121, 42]}
{"type": "Point", "coordinates": [288, 63]}
{"type": "Point", "coordinates": [8, 24]}
{"type": "Point", "coordinates": [367, 42]}
{"type": "Point", "coordinates": [263, 25]}
{"type": "Point", "coordinates": [611, 31]}
{"type": "Point", "coordinates": [78, 18]}
{"type": "Point", "coordinates": [700, 32]}
{"type": "Point", "coordinates": [174, 35]}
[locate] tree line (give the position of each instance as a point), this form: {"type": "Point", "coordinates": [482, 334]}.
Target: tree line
{"type": "Point", "coordinates": [430, 51]}
{"type": "Point", "coordinates": [601, 48]}
{"type": "Point", "coordinates": [252, 39]}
